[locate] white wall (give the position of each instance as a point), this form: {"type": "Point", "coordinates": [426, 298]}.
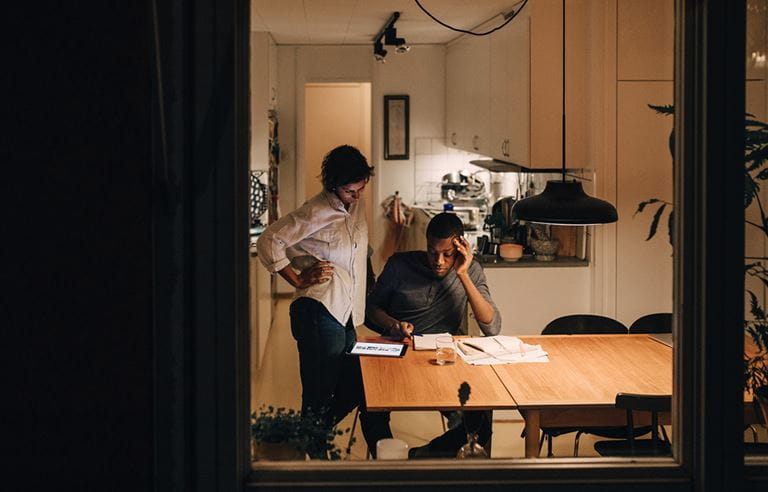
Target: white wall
{"type": "Point", "coordinates": [419, 74]}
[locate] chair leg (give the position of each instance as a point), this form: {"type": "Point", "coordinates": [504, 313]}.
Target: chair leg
{"type": "Point", "coordinates": [754, 433]}
{"type": "Point", "coordinates": [576, 444]}
{"type": "Point", "coordinates": [541, 443]}
{"type": "Point", "coordinates": [664, 433]}
{"type": "Point", "coordinates": [549, 446]}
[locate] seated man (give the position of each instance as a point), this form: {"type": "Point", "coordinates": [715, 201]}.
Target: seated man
{"type": "Point", "coordinates": [427, 292]}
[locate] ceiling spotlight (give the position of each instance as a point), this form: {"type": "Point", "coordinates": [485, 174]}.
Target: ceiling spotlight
{"type": "Point", "coordinates": [389, 34]}
{"type": "Point", "coordinates": [379, 52]}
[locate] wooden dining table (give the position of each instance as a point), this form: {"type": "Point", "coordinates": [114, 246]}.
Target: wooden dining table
{"type": "Point", "coordinates": [417, 382]}
{"type": "Point", "coordinates": [576, 388]}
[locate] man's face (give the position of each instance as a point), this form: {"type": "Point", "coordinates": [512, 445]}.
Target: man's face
{"type": "Point", "coordinates": [441, 254]}
{"type": "Point", "coordinates": [350, 193]}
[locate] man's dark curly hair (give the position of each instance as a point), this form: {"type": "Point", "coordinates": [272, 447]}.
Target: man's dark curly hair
{"type": "Point", "coordinates": [343, 165]}
{"type": "Point", "coordinates": [445, 225]}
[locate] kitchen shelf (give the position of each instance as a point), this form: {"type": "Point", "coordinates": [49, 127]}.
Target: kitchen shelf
{"type": "Point", "coordinates": [528, 261]}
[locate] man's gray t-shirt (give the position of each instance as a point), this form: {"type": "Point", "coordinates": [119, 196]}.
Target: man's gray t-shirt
{"type": "Point", "coordinates": [408, 290]}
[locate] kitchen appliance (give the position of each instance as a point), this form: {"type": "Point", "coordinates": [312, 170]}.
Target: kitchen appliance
{"type": "Point", "coordinates": [463, 188]}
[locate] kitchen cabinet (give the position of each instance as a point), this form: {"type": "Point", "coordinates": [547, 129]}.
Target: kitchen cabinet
{"type": "Point", "coordinates": [263, 77]}
{"type": "Point", "coordinates": [510, 92]}
{"type": "Point", "coordinates": [519, 66]}
{"type": "Point", "coordinates": [468, 79]}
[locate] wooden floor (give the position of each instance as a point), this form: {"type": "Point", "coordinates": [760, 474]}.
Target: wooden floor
{"type": "Point", "coordinates": [277, 383]}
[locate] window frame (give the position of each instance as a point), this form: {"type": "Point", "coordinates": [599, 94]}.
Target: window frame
{"type": "Point", "coordinates": [210, 384]}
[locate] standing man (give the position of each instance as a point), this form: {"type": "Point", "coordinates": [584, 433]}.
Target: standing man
{"type": "Point", "coordinates": [421, 292]}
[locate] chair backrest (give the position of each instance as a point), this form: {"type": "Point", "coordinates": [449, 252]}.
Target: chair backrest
{"type": "Point", "coordinates": [652, 323]}
{"type": "Point", "coordinates": [648, 403]}
{"type": "Point", "coordinates": [575, 324]}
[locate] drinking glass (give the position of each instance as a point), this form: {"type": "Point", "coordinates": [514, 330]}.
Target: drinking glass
{"type": "Point", "coordinates": [446, 350]}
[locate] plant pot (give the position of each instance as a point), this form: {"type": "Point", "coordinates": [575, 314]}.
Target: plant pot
{"type": "Point", "coordinates": [275, 451]}
{"type": "Point", "coordinates": [545, 249]}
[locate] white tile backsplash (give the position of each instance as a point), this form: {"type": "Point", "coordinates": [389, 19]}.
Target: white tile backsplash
{"type": "Point", "coordinates": [433, 159]}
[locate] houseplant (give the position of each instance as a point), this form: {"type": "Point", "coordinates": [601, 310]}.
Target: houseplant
{"type": "Point", "coordinates": [286, 434]}
{"type": "Point", "coordinates": [755, 173]}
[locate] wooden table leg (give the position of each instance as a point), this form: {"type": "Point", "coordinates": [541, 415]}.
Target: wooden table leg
{"type": "Point", "coordinates": [532, 429]}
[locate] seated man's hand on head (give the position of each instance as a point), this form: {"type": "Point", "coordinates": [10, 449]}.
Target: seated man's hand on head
{"type": "Point", "coordinates": [463, 256]}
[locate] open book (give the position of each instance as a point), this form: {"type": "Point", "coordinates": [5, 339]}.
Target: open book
{"type": "Point", "coordinates": [499, 349]}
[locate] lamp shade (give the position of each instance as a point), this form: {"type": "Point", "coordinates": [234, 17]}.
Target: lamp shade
{"type": "Point", "coordinates": [565, 203]}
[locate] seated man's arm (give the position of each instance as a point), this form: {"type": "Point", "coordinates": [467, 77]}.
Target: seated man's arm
{"type": "Point", "coordinates": [478, 295]}
{"type": "Point", "coordinates": [378, 301]}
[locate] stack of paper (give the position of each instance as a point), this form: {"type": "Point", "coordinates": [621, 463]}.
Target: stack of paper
{"type": "Point", "coordinates": [499, 349]}
{"type": "Point", "coordinates": [427, 342]}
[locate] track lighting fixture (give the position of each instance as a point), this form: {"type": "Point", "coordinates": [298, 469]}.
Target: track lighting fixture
{"type": "Point", "coordinates": [379, 52]}
{"type": "Point", "coordinates": [389, 34]}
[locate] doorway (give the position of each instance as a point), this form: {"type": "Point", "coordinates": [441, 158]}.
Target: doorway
{"type": "Point", "coordinates": [335, 113]}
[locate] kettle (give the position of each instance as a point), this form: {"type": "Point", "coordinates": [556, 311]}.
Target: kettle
{"type": "Point", "coordinates": [503, 207]}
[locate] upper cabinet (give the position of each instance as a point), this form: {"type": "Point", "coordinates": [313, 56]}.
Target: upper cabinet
{"type": "Point", "coordinates": [520, 120]}
{"type": "Point", "coordinates": [646, 37]}
{"type": "Point", "coordinates": [468, 75]}
{"type": "Point", "coordinates": [510, 110]}
{"type": "Point", "coordinates": [263, 95]}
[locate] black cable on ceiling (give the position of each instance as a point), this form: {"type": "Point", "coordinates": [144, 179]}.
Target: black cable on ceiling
{"type": "Point", "coordinates": [509, 19]}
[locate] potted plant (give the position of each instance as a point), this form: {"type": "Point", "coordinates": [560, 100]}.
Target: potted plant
{"type": "Point", "coordinates": [755, 156]}
{"type": "Point", "coordinates": [286, 434]}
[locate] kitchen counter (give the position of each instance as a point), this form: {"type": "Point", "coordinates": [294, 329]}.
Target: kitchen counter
{"type": "Point", "coordinates": [528, 261]}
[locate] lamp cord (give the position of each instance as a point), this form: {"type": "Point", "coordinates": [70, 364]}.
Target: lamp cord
{"type": "Point", "coordinates": [470, 32]}
{"type": "Point", "coordinates": [563, 143]}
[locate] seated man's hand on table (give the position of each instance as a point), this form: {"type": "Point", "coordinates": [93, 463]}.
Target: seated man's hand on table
{"type": "Point", "coordinates": [400, 330]}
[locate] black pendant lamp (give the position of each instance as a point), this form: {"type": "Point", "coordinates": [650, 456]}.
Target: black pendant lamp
{"type": "Point", "coordinates": [564, 202]}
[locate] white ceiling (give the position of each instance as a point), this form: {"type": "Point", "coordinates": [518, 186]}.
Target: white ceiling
{"type": "Point", "coordinates": [358, 21]}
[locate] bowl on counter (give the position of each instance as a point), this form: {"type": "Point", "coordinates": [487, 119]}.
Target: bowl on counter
{"type": "Point", "coordinates": [544, 249]}
{"type": "Point", "coordinates": [511, 251]}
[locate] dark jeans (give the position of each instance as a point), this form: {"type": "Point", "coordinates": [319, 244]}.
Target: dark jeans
{"type": "Point", "coordinates": [330, 379]}
{"type": "Point", "coordinates": [375, 426]}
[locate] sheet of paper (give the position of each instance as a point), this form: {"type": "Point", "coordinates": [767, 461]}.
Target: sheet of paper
{"type": "Point", "coordinates": [499, 349]}
{"type": "Point", "coordinates": [427, 342]}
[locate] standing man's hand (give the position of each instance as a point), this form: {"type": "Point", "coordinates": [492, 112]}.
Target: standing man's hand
{"type": "Point", "coordinates": [319, 273]}
{"type": "Point", "coordinates": [464, 255]}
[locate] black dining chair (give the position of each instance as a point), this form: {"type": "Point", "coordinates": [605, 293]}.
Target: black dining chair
{"type": "Point", "coordinates": [631, 446]}
{"type": "Point", "coordinates": [581, 324]}
{"type": "Point", "coordinates": [652, 323]}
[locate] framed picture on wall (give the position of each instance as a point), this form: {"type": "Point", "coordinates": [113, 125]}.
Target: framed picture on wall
{"type": "Point", "coordinates": [396, 118]}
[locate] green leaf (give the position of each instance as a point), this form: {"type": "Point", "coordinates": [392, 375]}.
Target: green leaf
{"type": "Point", "coordinates": [754, 306]}
{"type": "Point", "coordinates": [666, 109]}
{"type": "Point", "coordinates": [750, 189]}
{"type": "Point", "coordinates": [655, 222]}
{"type": "Point", "coordinates": [641, 206]}
{"type": "Point", "coordinates": [671, 227]}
